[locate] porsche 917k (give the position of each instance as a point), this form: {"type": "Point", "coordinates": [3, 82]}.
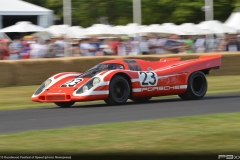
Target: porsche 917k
{"type": "Point", "coordinates": [116, 81]}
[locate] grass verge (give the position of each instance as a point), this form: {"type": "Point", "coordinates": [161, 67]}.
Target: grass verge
{"type": "Point", "coordinates": [19, 97]}
{"type": "Point", "coordinates": [216, 133]}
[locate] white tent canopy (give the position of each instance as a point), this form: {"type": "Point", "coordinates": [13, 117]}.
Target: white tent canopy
{"type": "Point", "coordinates": [76, 32]}
{"type": "Point", "coordinates": [191, 29]}
{"type": "Point", "coordinates": [102, 30]}
{"type": "Point", "coordinates": [216, 27]}
{"type": "Point", "coordinates": [153, 29]}
{"type": "Point", "coordinates": [57, 30]}
{"type": "Point", "coordinates": [22, 27]}
{"type": "Point", "coordinates": [234, 20]}
{"type": "Point", "coordinates": [19, 7]}
{"type": "Point", "coordinates": [132, 28]}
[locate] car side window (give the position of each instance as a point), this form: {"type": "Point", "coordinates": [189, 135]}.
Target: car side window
{"type": "Point", "coordinates": [133, 65]}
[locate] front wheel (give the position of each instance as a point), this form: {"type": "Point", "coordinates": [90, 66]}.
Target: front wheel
{"type": "Point", "coordinates": [64, 104]}
{"type": "Point", "coordinates": [119, 91]}
{"type": "Point", "coordinates": [197, 87]}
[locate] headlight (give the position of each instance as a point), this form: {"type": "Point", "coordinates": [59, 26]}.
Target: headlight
{"type": "Point", "coordinates": [93, 82]}
{"type": "Point", "coordinates": [96, 81]}
{"type": "Point", "coordinates": [43, 86]}
{"type": "Point", "coordinates": [85, 88]}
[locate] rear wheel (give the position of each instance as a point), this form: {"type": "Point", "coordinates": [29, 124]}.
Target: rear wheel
{"type": "Point", "coordinates": [141, 100]}
{"type": "Point", "coordinates": [64, 104]}
{"type": "Point", "coordinates": [197, 87]}
{"type": "Point", "coordinates": [119, 91]}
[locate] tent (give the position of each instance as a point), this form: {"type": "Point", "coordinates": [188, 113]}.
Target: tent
{"type": "Point", "coordinates": [191, 29]}
{"type": "Point", "coordinates": [22, 27]}
{"type": "Point", "coordinates": [103, 31]}
{"type": "Point", "coordinates": [216, 27]}
{"type": "Point", "coordinates": [17, 8]}
{"type": "Point", "coordinates": [233, 20]}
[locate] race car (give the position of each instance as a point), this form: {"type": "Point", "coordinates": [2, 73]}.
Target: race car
{"type": "Point", "coordinates": [116, 81]}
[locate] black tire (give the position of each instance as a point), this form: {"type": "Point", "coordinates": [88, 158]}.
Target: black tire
{"type": "Point", "coordinates": [197, 87]}
{"type": "Point", "coordinates": [64, 104]}
{"type": "Point", "coordinates": [119, 91]}
{"type": "Point", "coordinates": [141, 100]}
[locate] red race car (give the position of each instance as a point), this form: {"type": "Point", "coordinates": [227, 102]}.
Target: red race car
{"type": "Point", "coordinates": [116, 81]}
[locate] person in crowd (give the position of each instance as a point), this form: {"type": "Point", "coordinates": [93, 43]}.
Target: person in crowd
{"type": "Point", "coordinates": [95, 42]}
{"type": "Point", "coordinates": [232, 44]}
{"type": "Point", "coordinates": [124, 47]}
{"type": "Point", "coordinates": [86, 48]}
{"type": "Point", "coordinates": [106, 48]}
{"type": "Point", "coordinates": [173, 44]}
{"type": "Point", "coordinates": [152, 44]}
{"type": "Point", "coordinates": [4, 50]}
{"type": "Point", "coordinates": [143, 45]}
{"type": "Point", "coordinates": [51, 48]}
{"type": "Point", "coordinates": [15, 48]}
{"type": "Point", "coordinates": [114, 45]}
{"type": "Point", "coordinates": [61, 46]}
{"type": "Point", "coordinates": [75, 47]}
{"type": "Point", "coordinates": [211, 43]}
{"type": "Point", "coordinates": [38, 49]}
{"type": "Point", "coordinates": [189, 42]}
{"type": "Point", "coordinates": [221, 46]}
{"type": "Point", "coordinates": [200, 44]}
{"type": "Point", "coordinates": [135, 48]}
{"type": "Point", "coordinates": [26, 42]}
{"type": "Point", "coordinates": [160, 45]}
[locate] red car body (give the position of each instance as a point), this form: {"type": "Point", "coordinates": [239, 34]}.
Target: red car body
{"type": "Point", "coordinates": [168, 76]}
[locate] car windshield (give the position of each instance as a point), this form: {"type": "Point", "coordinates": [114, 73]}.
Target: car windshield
{"type": "Point", "coordinates": [99, 68]}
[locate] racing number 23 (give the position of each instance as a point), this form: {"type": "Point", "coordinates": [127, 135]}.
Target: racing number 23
{"type": "Point", "coordinates": [148, 78]}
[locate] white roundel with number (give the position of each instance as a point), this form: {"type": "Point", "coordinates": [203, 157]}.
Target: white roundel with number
{"type": "Point", "coordinates": [72, 83]}
{"type": "Point", "coordinates": [148, 78]}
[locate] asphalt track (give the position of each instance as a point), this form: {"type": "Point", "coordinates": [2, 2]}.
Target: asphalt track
{"type": "Point", "coordinates": [54, 117]}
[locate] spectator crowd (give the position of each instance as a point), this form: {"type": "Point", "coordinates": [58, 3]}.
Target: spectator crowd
{"type": "Point", "coordinates": [29, 47]}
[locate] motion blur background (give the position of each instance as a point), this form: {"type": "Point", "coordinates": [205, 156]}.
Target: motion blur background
{"type": "Point", "coordinates": [58, 28]}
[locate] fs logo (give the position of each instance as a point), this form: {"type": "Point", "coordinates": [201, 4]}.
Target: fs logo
{"type": "Point", "coordinates": [228, 157]}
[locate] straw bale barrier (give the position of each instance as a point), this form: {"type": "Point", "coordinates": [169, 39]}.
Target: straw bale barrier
{"type": "Point", "coordinates": [35, 71]}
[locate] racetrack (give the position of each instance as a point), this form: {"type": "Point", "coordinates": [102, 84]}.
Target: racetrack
{"type": "Point", "coordinates": [54, 117]}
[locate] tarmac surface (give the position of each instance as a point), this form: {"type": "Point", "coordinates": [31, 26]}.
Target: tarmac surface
{"type": "Point", "coordinates": [90, 114]}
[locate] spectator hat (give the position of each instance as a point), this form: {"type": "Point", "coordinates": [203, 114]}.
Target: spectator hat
{"type": "Point", "coordinates": [28, 37]}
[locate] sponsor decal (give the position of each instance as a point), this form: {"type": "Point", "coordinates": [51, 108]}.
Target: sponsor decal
{"type": "Point", "coordinates": [161, 88]}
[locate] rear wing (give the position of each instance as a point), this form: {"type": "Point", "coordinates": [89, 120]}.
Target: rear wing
{"type": "Point", "coordinates": [215, 57]}
{"type": "Point", "coordinates": [204, 62]}
{"type": "Point", "coordinates": [211, 56]}
{"type": "Point", "coordinates": [201, 57]}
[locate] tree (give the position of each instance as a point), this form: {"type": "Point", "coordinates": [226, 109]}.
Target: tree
{"type": "Point", "coordinates": [120, 12]}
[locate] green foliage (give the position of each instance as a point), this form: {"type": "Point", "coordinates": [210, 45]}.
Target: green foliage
{"type": "Point", "coordinates": [120, 12]}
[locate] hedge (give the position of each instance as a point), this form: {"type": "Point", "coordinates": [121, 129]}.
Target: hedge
{"type": "Point", "coordinates": [35, 71]}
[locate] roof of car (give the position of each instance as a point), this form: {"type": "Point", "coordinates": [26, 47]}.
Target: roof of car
{"type": "Point", "coordinates": [121, 60]}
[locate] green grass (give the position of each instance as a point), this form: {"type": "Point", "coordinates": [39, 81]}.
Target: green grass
{"type": "Point", "coordinates": [217, 133]}
{"type": "Point", "coordinates": [19, 97]}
